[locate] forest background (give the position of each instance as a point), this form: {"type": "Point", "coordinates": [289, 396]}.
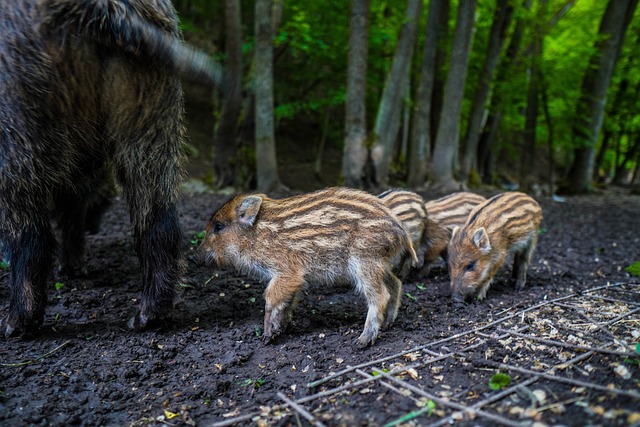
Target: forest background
{"type": "Point", "coordinates": [536, 95]}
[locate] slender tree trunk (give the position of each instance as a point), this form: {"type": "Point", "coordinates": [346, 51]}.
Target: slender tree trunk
{"type": "Point", "coordinates": [593, 96]}
{"type": "Point", "coordinates": [621, 166]}
{"type": "Point", "coordinates": [317, 164]}
{"type": "Point", "coordinates": [528, 155]}
{"type": "Point", "coordinates": [618, 101]}
{"type": "Point", "coordinates": [442, 56]}
{"type": "Point", "coordinates": [420, 145]}
{"type": "Point", "coordinates": [387, 124]}
{"type": "Point", "coordinates": [266, 161]}
{"type": "Point", "coordinates": [550, 142]}
{"type": "Point", "coordinates": [497, 37]}
{"type": "Point", "coordinates": [530, 125]}
{"type": "Point", "coordinates": [636, 172]}
{"type": "Point", "coordinates": [226, 131]}
{"type": "Point", "coordinates": [448, 130]}
{"type": "Point", "coordinates": [355, 144]}
{"type": "Point", "coordinates": [604, 146]}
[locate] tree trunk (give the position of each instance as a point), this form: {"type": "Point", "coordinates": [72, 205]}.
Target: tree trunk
{"type": "Point", "coordinates": [266, 162]}
{"type": "Point", "coordinates": [636, 172]}
{"type": "Point", "coordinates": [448, 129]}
{"type": "Point", "coordinates": [621, 166]}
{"type": "Point", "coordinates": [595, 83]}
{"type": "Point", "coordinates": [226, 131]}
{"type": "Point", "coordinates": [550, 142]}
{"type": "Point", "coordinates": [355, 143]}
{"type": "Point", "coordinates": [442, 56]}
{"type": "Point", "coordinates": [387, 124]}
{"type": "Point", "coordinates": [497, 37]}
{"type": "Point", "coordinates": [420, 145]}
{"type": "Point", "coordinates": [528, 154]}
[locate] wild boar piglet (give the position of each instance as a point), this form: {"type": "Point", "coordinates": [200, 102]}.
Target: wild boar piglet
{"type": "Point", "coordinates": [409, 208]}
{"type": "Point", "coordinates": [505, 224]}
{"type": "Point", "coordinates": [444, 214]}
{"type": "Point", "coordinates": [331, 235]}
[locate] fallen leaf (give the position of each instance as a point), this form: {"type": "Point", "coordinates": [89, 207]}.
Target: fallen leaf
{"type": "Point", "coordinates": [170, 414]}
{"type": "Point", "coordinates": [622, 372]}
{"type": "Point", "coordinates": [540, 395]}
{"type": "Point", "coordinates": [413, 373]}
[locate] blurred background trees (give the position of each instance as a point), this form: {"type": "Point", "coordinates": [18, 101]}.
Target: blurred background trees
{"type": "Point", "coordinates": [443, 93]}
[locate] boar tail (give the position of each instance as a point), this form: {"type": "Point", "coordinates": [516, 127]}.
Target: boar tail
{"type": "Point", "coordinates": [135, 27]}
{"type": "Point", "coordinates": [408, 245]}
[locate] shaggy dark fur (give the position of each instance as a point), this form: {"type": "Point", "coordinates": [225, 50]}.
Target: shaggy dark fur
{"type": "Point", "coordinates": [89, 89]}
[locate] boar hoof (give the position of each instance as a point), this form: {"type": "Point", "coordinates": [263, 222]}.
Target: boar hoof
{"type": "Point", "coordinates": [72, 272]}
{"type": "Point", "coordinates": [139, 322]}
{"type": "Point", "coordinates": [520, 285]}
{"type": "Point", "coordinates": [11, 328]}
{"type": "Point", "coordinates": [6, 327]}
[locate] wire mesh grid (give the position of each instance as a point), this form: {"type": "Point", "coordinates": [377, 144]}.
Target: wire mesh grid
{"type": "Point", "coordinates": [572, 356]}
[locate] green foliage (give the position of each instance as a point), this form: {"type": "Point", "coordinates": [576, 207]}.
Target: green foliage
{"type": "Point", "coordinates": [311, 57]}
{"type": "Point", "coordinates": [197, 238]}
{"type": "Point", "coordinates": [428, 408]}
{"type": "Point", "coordinates": [499, 380]}
{"type": "Point", "coordinates": [634, 269]}
{"type": "Point", "coordinates": [376, 373]}
{"type": "Point", "coordinates": [58, 286]}
{"type": "Point", "coordinates": [256, 384]}
{"type": "Point", "coordinates": [411, 297]}
{"type": "Point", "coordinates": [4, 265]}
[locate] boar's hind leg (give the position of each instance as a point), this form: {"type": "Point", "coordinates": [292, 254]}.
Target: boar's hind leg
{"type": "Point", "coordinates": [394, 287]}
{"type": "Point", "coordinates": [70, 213]}
{"type": "Point", "coordinates": [149, 179]}
{"type": "Point", "coordinates": [158, 247]}
{"type": "Point", "coordinates": [31, 255]}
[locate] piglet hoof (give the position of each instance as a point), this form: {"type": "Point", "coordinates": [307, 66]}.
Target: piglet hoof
{"type": "Point", "coordinates": [271, 332]}
{"type": "Point", "coordinates": [365, 340]}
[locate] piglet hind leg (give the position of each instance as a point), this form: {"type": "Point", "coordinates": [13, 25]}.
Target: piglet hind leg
{"type": "Point", "coordinates": [521, 262]}
{"type": "Point", "coordinates": [371, 282]}
{"type": "Point", "coordinates": [394, 287]}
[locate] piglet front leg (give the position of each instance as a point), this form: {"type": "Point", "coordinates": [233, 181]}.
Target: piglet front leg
{"type": "Point", "coordinates": [281, 298]}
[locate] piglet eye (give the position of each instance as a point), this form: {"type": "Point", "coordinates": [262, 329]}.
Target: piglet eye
{"type": "Point", "coordinates": [471, 266]}
{"type": "Point", "coordinates": [217, 227]}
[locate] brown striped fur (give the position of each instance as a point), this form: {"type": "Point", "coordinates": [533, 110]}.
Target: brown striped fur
{"type": "Point", "coordinates": [503, 225]}
{"type": "Point", "coordinates": [444, 214]}
{"type": "Point", "coordinates": [330, 235]}
{"type": "Point", "coordinates": [409, 208]}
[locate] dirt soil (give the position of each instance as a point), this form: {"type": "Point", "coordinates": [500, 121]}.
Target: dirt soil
{"type": "Point", "coordinates": [208, 363]}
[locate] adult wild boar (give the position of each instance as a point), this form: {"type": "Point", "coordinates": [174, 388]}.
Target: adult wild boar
{"type": "Point", "coordinates": [88, 90]}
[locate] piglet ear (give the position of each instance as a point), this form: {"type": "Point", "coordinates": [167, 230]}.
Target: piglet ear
{"type": "Point", "coordinates": [247, 210]}
{"type": "Point", "coordinates": [480, 240]}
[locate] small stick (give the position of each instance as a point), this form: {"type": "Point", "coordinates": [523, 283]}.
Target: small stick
{"type": "Point", "coordinates": [308, 416]}
{"type": "Point", "coordinates": [34, 360]}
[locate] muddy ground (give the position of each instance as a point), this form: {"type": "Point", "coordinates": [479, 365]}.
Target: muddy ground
{"type": "Point", "coordinates": [208, 363]}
